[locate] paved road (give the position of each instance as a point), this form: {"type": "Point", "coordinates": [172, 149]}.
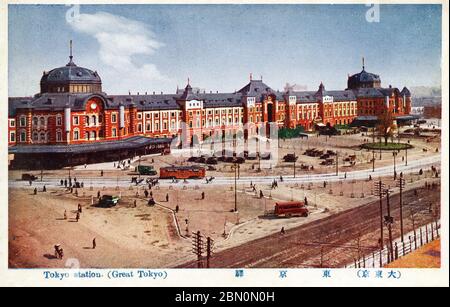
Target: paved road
{"type": "Point", "coordinates": [413, 166]}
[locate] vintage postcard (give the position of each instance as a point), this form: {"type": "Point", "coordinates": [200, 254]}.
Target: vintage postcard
{"type": "Point", "coordinates": [195, 143]}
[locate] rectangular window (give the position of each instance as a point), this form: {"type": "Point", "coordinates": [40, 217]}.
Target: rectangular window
{"type": "Point", "coordinates": [114, 132]}
{"type": "Point", "coordinates": [75, 120]}
{"type": "Point", "coordinates": [114, 118]}
{"type": "Point", "coordinates": [23, 122]}
{"type": "Point", "coordinates": [12, 137]}
{"type": "Point", "coordinates": [59, 121]}
{"type": "Point", "coordinates": [12, 123]}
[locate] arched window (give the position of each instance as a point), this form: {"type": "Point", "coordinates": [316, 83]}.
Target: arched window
{"type": "Point", "coordinates": [58, 136]}
{"type": "Point", "coordinates": [93, 135]}
{"type": "Point", "coordinates": [42, 137]}
{"type": "Point", "coordinates": [87, 120]}
{"type": "Point", "coordinates": [94, 120]}
{"type": "Point", "coordinates": [76, 134]}
{"type": "Point", "coordinates": [35, 137]}
{"type": "Point", "coordinates": [23, 136]}
{"type": "Point", "coordinates": [42, 121]}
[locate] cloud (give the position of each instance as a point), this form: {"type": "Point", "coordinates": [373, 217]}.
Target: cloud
{"type": "Point", "coordinates": [120, 39]}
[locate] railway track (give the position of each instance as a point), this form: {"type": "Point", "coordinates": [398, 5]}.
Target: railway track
{"type": "Point", "coordinates": [303, 245]}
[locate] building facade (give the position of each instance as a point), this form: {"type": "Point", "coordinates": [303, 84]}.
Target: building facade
{"type": "Point", "coordinates": [71, 108]}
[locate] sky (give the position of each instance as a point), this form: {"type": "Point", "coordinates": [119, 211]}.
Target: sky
{"type": "Point", "coordinates": [141, 48]}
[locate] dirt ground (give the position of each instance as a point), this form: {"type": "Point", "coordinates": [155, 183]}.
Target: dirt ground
{"type": "Point", "coordinates": [157, 236]}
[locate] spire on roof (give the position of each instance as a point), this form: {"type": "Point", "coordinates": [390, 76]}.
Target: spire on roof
{"type": "Point", "coordinates": [363, 66]}
{"type": "Point", "coordinates": [71, 63]}
{"type": "Point", "coordinates": [251, 76]}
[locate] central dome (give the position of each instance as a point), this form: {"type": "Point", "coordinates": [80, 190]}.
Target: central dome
{"type": "Point", "coordinates": [70, 78]}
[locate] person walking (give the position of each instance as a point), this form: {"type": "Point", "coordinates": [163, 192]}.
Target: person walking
{"type": "Point", "coordinates": [283, 231]}
{"type": "Point", "coordinates": [177, 208]}
{"type": "Point", "coordinates": [35, 191]}
{"type": "Point", "coordinates": [167, 197]}
{"type": "Point", "coordinates": [79, 208]}
{"type": "Point", "coordinates": [65, 214]}
{"type": "Point", "coordinates": [203, 195]}
{"type": "Point", "coordinates": [77, 216]}
{"type": "Point", "coordinates": [94, 244]}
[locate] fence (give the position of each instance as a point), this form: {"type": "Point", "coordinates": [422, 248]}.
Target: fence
{"type": "Point", "coordinates": [412, 241]}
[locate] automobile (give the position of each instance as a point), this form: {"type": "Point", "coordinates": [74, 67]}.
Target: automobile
{"type": "Point", "coordinates": [239, 160]}
{"type": "Point", "coordinates": [200, 160]}
{"type": "Point", "coordinates": [28, 177]}
{"type": "Point", "coordinates": [146, 170]}
{"type": "Point", "coordinates": [192, 159]}
{"type": "Point", "coordinates": [327, 162]}
{"type": "Point", "coordinates": [229, 159]}
{"type": "Point", "coordinates": [290, 158]}
{"type": "Point", "coordinates": [107, 201]}
{"type": "Point", "coordinates": [211, 161]}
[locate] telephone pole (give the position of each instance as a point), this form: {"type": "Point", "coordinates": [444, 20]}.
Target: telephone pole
{"type": "Point", "coordinates": [197, 247]}
{"type": "Point", "coordinates": [337, 163]}
{"type": "Point", "coordinates": [379, 190]}
{"type": "Point", "coordinates": [389, 221]}
{"type": "Point", "coordinates": [401, 184]}
{"type": "Point", "coordinates": [209, 248]}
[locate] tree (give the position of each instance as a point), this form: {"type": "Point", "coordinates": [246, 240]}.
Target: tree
{"type": "Point", "coordinates": [385, 126]}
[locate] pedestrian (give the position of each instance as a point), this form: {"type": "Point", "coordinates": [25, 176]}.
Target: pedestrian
{"type": "Point", "coordinates": [65, 214]}
{"type": "Point", "coordinates": [85, 165]}
{"type": "Point", "coordinates": [35, 191]}
{"type": "Point", "coordinates": [177, 208]}
{"type": "Point", "coordinates": [98, 194]}
{"type": "Point", "coordinates": [167, 197]}
{"type": "Point", "coordinates": [77, 216]}
{"type": "Point", "coordinates": [145, 193]}
{"type": "Point", "coordinates": [101, 173]}
{"type": "Point", "coordinates": [345, 175]}
{"type": "Point", "coordinates": [261, 195]}
{"type": "Point", "coordinates": [94, 244]}
{"type": "Point", "coordinates": [79, 208]}
{"type": "Point", "coordinates": [306, 201]}
{"type": "Point", "coordinates": [203, 195]}
{"type": "Point", "coordinates": [61, 182]}
{"type": "Point", "coordinates": [65, 183]}
{"type": "Point", "coordinates": [44, 189]}
{"type": "Point", "coordinates": [30, 182]}
{"type": "Point", "coordinates": [283, 231]}
{"type": "Point", "coordinates": [151, 194]}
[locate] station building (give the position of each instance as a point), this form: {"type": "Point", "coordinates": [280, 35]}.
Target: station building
{"type": "Point", "coordinates": [72, 110]}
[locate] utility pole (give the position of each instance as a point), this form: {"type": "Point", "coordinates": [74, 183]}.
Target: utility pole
{"type": "Point", "coordinates": [373, 160]}
{"type": "Point", "coordinates": [379, 190]}
{"type": "Point", "coordinates": [197, 247]}
{"type": "Point", "coordinates": [394, 153]}
{"type": "Point", "coordinates": [406, 159]}
{"type": "Point", "coordinates": [337, 163]}
{"type": "Point", "coordinates": [235, 167]}
{"type": "Point", "coordinates": [401, 184]}
{"type": "Point", "coordinates": [209, 248]}
{"type": "Point", "coordinates": [389, 221]}
{"type": "Point", "coordinates": [295, 159]}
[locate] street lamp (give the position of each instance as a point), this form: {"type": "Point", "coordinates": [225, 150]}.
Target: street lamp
{"type": "Point", "coordinates": [235, 167]}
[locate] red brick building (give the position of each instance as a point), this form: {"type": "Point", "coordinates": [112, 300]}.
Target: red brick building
{"type": "Point", "coordinates": [72, 109]}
